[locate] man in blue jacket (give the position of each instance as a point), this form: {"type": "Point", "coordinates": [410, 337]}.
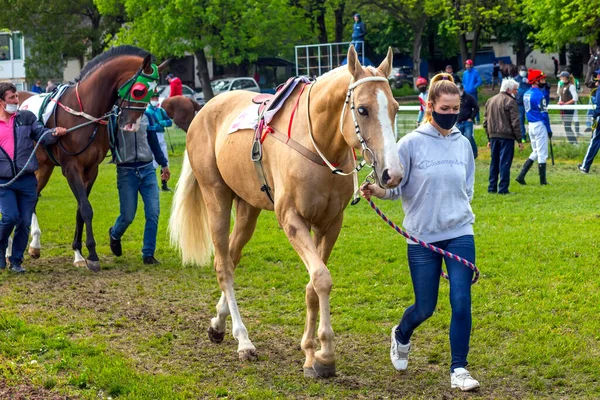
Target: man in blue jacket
{"type": "Point", "coordinates": [524, 86]}
{"type": "Point", "coordinates": [359, 31]}
{"type": "Point", "coordinates": [536, 108]}
{"type": "Point", "coordinates": [471, 81]}
{"type": "Point", "coordinates": [595, 142]}
{"type": "Point", "coordinates": [136, 174]}
{"type": "Point", "coordinates": [161, 121]}
{"type": "Point", "coordinates": [18, 131]}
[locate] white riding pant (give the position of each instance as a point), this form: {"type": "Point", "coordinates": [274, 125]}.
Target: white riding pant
{"type": "Point", "coordinates": [163, 147]}
{"type": "Point", "coordinates": [539, 141]}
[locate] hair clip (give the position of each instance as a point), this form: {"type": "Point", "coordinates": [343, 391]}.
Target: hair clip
{"type": "Point", "coordinates": [444, 77]}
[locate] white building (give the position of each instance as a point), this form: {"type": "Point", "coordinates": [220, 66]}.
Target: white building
{"type": "Point", "coordinates": [12, 59]}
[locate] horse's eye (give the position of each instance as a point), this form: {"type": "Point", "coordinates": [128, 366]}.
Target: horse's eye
{"type": "Point", "coordinates": [139, 91]}
{"type": "Point", "coordinates": [362, 111]}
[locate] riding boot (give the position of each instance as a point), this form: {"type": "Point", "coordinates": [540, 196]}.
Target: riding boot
{"type": "Point", "coordinates": [526, 167]}
{"type": "Point", "coordinates": [542, 170]}
{"type": "Point", "coordinates": [165, 188]}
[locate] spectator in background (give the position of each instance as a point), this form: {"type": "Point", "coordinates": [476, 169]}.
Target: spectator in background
{"type": "Point", "coordinates": [450, 70]}
{"type": "Point", "coordinates": [595, 143]}
{"type": "Point", "coordinates": [524, 86]}
{"type": "Point", "coordinates": [501, 124]}
{"type": "Point", "coordinates": [359, 30]}
{"type": "Point", "coordinates": [556, 67]}
{"type": "Point", "coordinates": [472, 81]}
{"type": "Point", "coordinates": [495, 75]}
{"type": "Point", "coordinates": [567, 95]}
{"type": "Point", "coordinates": [161, 121]}
{"type": "Point", "coordinates": [50, 87]}
{"type": "Point", "coordinates": [36, 88]}
{"type": "Point", "coordinates": [176, 86]}
{"type": "Point", "coordinates": [469, 109]}
{"type": "Point", "coordinates": [540, 130]}
{"type": "Point", "coordinates": [423, 94]}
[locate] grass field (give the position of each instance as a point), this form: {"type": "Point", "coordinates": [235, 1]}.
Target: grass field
{"type": "Point", "coordinates": [139, 332]}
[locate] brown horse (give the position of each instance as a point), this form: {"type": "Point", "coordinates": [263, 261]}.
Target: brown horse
{"type": "Point", "coordinates": [181, 110]}
{"type": "Point", "coordinates": [307, 197]}
{"type": "Point", "coordinates": [80, 152]}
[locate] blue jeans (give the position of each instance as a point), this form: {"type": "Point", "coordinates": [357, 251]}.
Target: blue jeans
{"type": "Point", "coordinates": [17, 203]}
{"type": "Point", "coordinates": [425, 267]}
{"type": "Point", "coordinates": [130, 182]}
{"type": "Point", "coordinates": [358, 45]}
{"type": "Point", "coordinates": [592, 149]}
{"type": "Point", "coordinates": [503, 151]}
{"type": "Point", "coordinates": [477, 100]}
{"type": "Point", "coordinates": [522, 121]}
{"type": "Point", "coordinates": [466, 128]}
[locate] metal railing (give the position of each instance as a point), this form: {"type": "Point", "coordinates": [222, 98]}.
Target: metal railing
{"type": "Point", "coordinates": [317, 59]}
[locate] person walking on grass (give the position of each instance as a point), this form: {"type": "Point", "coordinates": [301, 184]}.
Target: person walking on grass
{"type": "Point", "coordinates": [469, 109]}
{"type": "Point", "coordinates": [594, 145]}
{"type": "Point", "coordinates": [18, 132]}
{"type": "Point", "coordinates": [567, 95]}
{"type": "Point", "coordinates": [472, 81]}
{"type": "Point", "coordinates": [162, 121]}
{"type": "Point", "coordinates": [422, 87]}
{"type": "Point", "coordinates": [501, 124]}
{"type": "Point", "coordinates": [436, 193]}
{"type": "Point", "coordinates": [539, 125]}
{"type": "Point", "coordinates": [136, 174]}
{"type": "Point", "coordinates": [524, 86]}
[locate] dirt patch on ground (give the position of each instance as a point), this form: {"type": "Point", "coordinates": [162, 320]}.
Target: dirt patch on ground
{"type": "Point", "coordinates": [28, 392]}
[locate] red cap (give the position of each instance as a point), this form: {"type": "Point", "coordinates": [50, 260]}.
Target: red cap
{"type": "Point", "coordinates": [535, 75]}
{"type": "Point", "coordinates": [421, 81]}
{"type": "Point", "coordinates": [469, 62]}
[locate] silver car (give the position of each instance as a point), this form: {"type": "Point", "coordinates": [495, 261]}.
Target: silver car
{"type": "Point", "coordinates": [229, 84]}
{"type": "Point", "coordinates": [165, 90]}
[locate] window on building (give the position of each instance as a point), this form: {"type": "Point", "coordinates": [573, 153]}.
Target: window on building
{"type": "Point", "coordinates": [17, 46]}
{"type": "Point", "coordinates": [4, 47]}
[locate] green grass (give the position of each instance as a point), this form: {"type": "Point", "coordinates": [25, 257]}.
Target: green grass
{"type": "Point", "coordinates": [139, 332]}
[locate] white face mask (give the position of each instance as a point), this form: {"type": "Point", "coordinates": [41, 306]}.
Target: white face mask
{"type": "Point", "coordinates": [154, 103]}
{"type": "Point", "coordinates": [11, 108]}
{"type": "Point", "coordinates": [523, 74]}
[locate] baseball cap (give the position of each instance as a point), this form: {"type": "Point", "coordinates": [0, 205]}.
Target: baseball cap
{"type": "Point", "coordinates": [469, 62]}
{"type": "Point", "coordinates": [564, 74]}
{"type": "Point", "coordinates": [169, 76]}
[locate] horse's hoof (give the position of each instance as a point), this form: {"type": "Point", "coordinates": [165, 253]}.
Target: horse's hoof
{"type": "Point", "coordinates": [34, 253]}
{"type": "Point", "coordinates": [322, 370]}
{"type": "Point", "coordinates": [309, 372]}
{"type": "Point", "coordinates": [215, 336]}
{"type": "Point", "coordinates": [80, 264]}
{"type": "Point", "coordinates": [93, 265]}
{"type": "Point", "coordinates": [248, 355]}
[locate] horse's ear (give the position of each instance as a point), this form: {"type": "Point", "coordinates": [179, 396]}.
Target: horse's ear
{"type": "Point", "coordinates": [386, 65]}
{"type": "Point", "coordinates": [164, 65]}
{"type": "Point", "coordinates": [353, 64]}
{"type": "Point", "coordinates": [147, 61]}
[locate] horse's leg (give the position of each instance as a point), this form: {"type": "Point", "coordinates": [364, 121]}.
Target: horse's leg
{"type": "Point", "coordinates": [324, 239]}
{"type": "Point", "coordinates": [43, 175]}
{"type": "Point", "coordinates": [317, 293]}
{"type": "Point", "coordinates": [218, 198]}
{"type": "Point", "coordinates": [79, 261]}
{"type": "Point", "coordinates": [74, 177]}
{"type": "Point", "coordinates": [245, 223]}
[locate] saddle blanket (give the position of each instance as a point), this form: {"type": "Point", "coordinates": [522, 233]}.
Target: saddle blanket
{"type": "Point", "coordinates": [246, 120]}
{"type": "Point", "coordinates": [35, 103]}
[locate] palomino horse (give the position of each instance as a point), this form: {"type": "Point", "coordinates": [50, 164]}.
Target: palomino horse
{"type": "Point", "coordinates": [123, 77]}
{"type": "Point", "coordinates": [181, 110]}
{"type": "Point", "coordinates": [307, 197]}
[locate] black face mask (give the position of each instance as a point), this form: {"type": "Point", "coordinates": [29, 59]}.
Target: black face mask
{"type": "Point", "coordinates": [444, 121]}
{"type": "Point", "coordinates": [422, 89]}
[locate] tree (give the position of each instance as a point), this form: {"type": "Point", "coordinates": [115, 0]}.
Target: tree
{"type": "Point", "coordinates": [56, 30]}
{"type": "Point", "coordinates": [520, 33]}
{"type": "Point", "coordinates": [230, 31]}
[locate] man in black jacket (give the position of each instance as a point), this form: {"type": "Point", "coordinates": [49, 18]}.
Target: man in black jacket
{"type": "Point", "coordinates": [18, 131]}
{"type": "Point", "coordinates": [469, 109]}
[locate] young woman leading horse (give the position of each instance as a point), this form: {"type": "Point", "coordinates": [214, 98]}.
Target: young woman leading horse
{"type": "Point", "coordinates": [123, 77]}
{"type": "Point", "coordinates": [349, 108]}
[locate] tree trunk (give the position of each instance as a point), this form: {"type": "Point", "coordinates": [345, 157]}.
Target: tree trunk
{"type": "Point", "coordinates": [203, 75]}
{"type": "Point", "coordinates": [322, 27]}
{"type": "Point", "coordinates": [475, 42]}
{"type": "Point", "coordinates": [462, 40]}
{"type": "Point", "coordinates": [416, 56]}
{"type": "Point", "coordinates": [339, 22]}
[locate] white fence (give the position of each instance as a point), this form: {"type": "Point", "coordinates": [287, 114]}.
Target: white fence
{"type": "Point", "coordinates": [574, 126]}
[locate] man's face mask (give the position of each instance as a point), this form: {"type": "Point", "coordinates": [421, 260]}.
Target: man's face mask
{"type": "Point", "coordinates": [154, 103]}
{"type": "Point", "coordinates": [523, 74]}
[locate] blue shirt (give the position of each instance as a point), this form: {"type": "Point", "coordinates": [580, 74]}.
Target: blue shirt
{"type": "Point", "coordinates": [536, 107]}
{"type": "Point", "coordinates": [471, 81]}
{"type": "Point", "coordinates": [160, 118]}
{"type": "Point", "coordinates": [523, 87]}
{"type": "Point", "coordinates": [359, 30]}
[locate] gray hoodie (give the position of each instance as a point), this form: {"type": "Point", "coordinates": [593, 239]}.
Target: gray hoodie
{"type": "Point", "coordinates": [437, 188]}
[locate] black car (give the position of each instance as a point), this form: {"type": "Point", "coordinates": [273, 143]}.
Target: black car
{"type": "Point", "coordinates": [401, 76]}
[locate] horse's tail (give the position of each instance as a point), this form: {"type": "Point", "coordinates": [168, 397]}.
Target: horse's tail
{"type": "Point", "coordinates": [188, 225]}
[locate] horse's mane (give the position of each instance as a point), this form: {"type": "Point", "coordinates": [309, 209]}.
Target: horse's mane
{"type": "Point", "coordinates": [99, 60]}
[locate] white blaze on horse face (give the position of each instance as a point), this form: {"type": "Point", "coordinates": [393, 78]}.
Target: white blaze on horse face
{"type": "Point", "coordinates": [391, 161]}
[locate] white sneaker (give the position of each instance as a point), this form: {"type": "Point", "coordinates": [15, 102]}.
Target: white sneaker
{"type": "Point", "coordinates": [399, 352]}
{"type": "Point", "coordinates": [462, 379]}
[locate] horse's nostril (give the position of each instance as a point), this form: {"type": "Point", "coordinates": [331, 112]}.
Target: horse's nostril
{"type": "Point", "coordinates": [385, 176]}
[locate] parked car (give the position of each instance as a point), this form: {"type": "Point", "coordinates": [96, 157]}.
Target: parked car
{"type": "Point", "coordinates": [228, 84]}
{"type": "Point", "coordinates": [401, 76]}
{"type": "Point", "coordinates": [165, 90]}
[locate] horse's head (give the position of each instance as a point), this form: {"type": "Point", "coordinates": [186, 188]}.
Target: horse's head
{"type": "Point", "coordinates": [369, 126]}
{"type": "Point", "coordinates": [135, 93]}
